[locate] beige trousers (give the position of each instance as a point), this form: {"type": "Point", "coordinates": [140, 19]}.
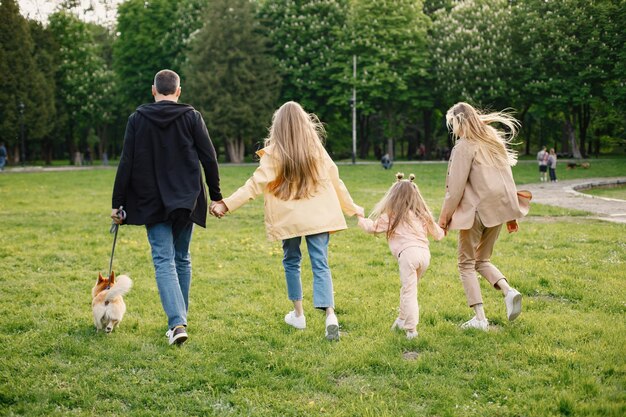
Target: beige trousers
{"type": "Point", "coordinates": [413, 262]}
{"type": "Point", "coordinates": [475, 248]}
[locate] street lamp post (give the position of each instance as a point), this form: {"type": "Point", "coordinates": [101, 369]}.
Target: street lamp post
{"type": "Point", "coordinates": [353, 102]}
{"type": "Point", "coordinates": [23, 144]}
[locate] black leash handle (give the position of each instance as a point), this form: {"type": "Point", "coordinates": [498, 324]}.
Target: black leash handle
{"type": "Point", "coordinates": [121, 214]}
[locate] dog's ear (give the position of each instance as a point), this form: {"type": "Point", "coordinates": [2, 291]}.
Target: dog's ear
{"type": "Point", "coordinates": [112, 277]}
{"type": "Point", "coordinates": [100, 277]}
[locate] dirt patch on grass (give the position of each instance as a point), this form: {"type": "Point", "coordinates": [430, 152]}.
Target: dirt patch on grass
{"type": "Point", "coordinates": [410, 356]}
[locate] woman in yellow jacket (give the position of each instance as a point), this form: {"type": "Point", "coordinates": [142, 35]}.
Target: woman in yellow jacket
{"type": "Point", "coordinates": [481, 197]}
{"type": "Point", "coordinates": [304, 196]}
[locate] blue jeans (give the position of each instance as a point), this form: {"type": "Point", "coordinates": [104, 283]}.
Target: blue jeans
{"type": "Point", "coordinates": [172, 265]}
{"type": "Point", "coordinates": [322, 280]}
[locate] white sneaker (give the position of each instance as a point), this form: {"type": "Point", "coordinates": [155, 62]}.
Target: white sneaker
{"type": "Point", "coordinates": [332, 327]}
{"type": "Point", "coordinates": [474, 323]}
{"type": "Point", "coordinates": [513, 302]}
{"type": "Point", "coordinates": [295, 321]}
{"type": "Point", "coordinates": [398, 324]}
{"type": "Point", "coordinates": [411, 335]}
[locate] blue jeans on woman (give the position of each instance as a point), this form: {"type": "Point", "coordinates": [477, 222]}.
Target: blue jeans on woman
{"type": "Point", "coordinates": [322, 280]}
{"type": "Point", "coordinates": [172, 265]}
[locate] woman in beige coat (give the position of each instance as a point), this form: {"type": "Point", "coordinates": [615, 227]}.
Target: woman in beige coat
{"type": "Point", "coordinates": [481, 197]}
{"type": "Point", "coordinates": [304, 196]}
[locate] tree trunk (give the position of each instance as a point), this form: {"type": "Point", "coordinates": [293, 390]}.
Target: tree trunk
{"type": "Point", "coordinates": [364, 146]}
{"type": "Point", "coordinates": [413, 140]}
{"type": "Point", "coordinates": [571, 137]}
{"type": "Point", "coordinates": [529, 130]}
{"type": "Point", "coordinates": [391, 148]}
{"type": "Point", "coordinates": [235, 150]}
{"type": "Point", "coordinates": [522, 116]}
{"type": "Point", "coordinates": [47, 150]}
{"type": "Point", "coordinates": [584, 118]}
{"type": "Point", "coordinates": [596, 146]}
{"type": "Point", "coordinates": [428, 132]}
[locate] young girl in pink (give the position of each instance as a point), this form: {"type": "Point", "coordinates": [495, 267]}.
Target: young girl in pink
{"type": "Point", "coordinates": [407, 222]}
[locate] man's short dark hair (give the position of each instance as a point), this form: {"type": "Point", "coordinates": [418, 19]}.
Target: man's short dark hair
{"type": "Point", "coordinates": [166, 82]}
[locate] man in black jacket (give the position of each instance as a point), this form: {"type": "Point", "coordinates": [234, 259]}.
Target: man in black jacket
{"type": "Point", "coordinates": [159, 184]}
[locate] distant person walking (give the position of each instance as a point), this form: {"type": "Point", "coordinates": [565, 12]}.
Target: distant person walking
{"type": "Point", "coordinates": [552, 165]}
{"type": "Point", "coordinates": [542, 160]}
{"type": "Point", "coordinates": [304, 197]}
{"type": "Point", "coordinates": [386, 161]}
{"type": "Point", "coordinates": [3, 156]}
{"type": "Point", "coordinates": [480, 197]}
{"type": "Point", "coordinates": [159, 184]}
{"type": "Point", "coordinates": [405, 219]}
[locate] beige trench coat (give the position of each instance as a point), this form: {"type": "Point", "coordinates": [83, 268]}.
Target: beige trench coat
{"type": "Point", "coordinates": [474, 186]}
{"type": "Point", "coordinates": [286, 219]}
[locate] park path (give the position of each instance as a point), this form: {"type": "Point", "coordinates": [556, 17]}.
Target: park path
{"type": "Point", "coordinates": [564, 194]}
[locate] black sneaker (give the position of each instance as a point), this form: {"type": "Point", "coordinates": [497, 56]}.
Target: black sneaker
{"type": "Point", "coordinates": [177, 335]}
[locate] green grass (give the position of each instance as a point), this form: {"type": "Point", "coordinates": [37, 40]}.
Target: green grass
{"type": "Point", "coordinates": [564, 356]}
{"type": "Point", "coordinates": [618, 192]}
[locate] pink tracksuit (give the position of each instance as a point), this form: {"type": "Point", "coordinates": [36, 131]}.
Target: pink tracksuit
{"type": "Point", "coordinates": [409, 244]}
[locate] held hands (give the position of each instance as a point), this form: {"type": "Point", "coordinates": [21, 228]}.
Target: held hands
{"type": "Point", "coordinates": [218, 209]}
{"type": "Point", "coordinates": [444, 226]}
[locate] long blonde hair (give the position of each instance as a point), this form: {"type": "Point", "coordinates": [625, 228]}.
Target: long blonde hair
{"type": "Point", "coordinates": [464, 121]}
{"type": "Point", "coordinates": [402, 199]}
{"type": "Point", "coordinates": [297, 139]}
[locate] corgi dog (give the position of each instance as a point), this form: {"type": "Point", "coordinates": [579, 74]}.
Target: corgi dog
{"type": "Point", "coordinates": [107, 302]}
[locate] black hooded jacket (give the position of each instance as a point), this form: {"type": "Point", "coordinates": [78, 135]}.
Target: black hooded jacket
{"type": "Point", "coordinates": [159, 171]}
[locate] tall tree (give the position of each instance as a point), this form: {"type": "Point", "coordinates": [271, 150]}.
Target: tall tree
{"type": "Point", "coordinates": [473, 55]}
{"type": "Point", "coordinates": [42, 122]}
{"type": "Point", "coordinates": [144, 45]}
{"type": "Point", "coordinates": [84, 83]}
{"type": "Point", "coordinates": [305, 36]}
{"type": "Point", "coordinates": [569, 58]}
{"type": "Point", "coordinates": [18, 72]}
{"type": "Point", "coordinates": [231, 79]}
{"type": "Point", "coordinates": [389, 39]}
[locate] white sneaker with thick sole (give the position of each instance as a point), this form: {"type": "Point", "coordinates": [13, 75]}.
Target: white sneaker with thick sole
{"type": "Point", "coordinates": [332, 327]}
{"type": "Point", "coordinates": [474, 323]}
{"type": "Point", "coordinates": [513, 302]}
{"type": "Point", "coordinates": [398, 324]}
{"type": "Point", "coordinates": [411, 335]}
{"type": "Point", "coordinates": [299, 322]}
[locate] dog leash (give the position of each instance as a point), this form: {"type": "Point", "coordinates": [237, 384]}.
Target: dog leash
{"type": "Point", "coordinates": [121, 214]}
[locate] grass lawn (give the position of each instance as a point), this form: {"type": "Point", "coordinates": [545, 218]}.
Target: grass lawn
{"type": "Point", "coordinates": [618, 192]}
{"type": "Point", "coordinates": [565, 355]}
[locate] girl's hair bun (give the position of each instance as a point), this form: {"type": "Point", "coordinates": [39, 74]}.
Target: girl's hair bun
{"type": "Point", "coordinates": [411, 177]}
{"type": "Point", "coordinates": [399, 176]}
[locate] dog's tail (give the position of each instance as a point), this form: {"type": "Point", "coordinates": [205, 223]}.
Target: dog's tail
{"type": "Point", "coordinates": [122, 285]}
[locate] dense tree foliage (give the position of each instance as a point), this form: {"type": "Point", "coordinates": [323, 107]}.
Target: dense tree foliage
{"type": "Point", "coordinates": [231, 79]}
{"type": "Point", "coordinates": [20, 77]}
{"type": "Point", "coordinates": [389, 39]}
{"type": "Point", "coordinates": [305, 36]}
{"type": "Point", "coordinates": [41, 123]}
{"type": "Point", "coordinates": [84, 83]}
{"type": "Point", "coordinates": [560, 64]}
{"type": "Point", "coordinates": [148, 40]}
